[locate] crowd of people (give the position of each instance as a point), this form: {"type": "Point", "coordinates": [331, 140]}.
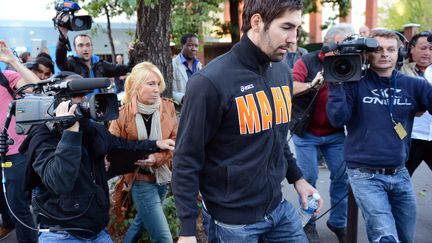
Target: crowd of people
{"type": "Point", "coordinates": [231, 147]}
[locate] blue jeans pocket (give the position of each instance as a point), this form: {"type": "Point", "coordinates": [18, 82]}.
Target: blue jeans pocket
{"type": "Point", "coordinates": [354, 175]}
{"type": "Point", "coordinates": [51, 236]}
{"type": "Point", "coordinates": [230, 226]}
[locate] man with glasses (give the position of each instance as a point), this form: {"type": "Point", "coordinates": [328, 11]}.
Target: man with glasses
{"type": "Point", "coordinates": [84, 62]}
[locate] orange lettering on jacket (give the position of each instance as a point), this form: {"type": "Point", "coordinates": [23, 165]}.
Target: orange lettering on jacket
{"type": "Point", "coordinates": [255, 113]}
{"type": "Point", "coordinates": [248, 114]}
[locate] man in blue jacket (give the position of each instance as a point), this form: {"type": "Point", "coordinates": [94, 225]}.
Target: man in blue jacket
{"type": "Point", "coordinates": [378, 112]}
{"type": "Point", "coordinates": [232, 138]}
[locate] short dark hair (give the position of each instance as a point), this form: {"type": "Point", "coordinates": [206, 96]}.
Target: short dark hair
{"type": "Point", "coordinates": [82, 35]}
{"type": "Point", "coordinates": [386, 33]}
{"type": "Point", "coordinates": [43, 54]}
{"type": "Point", "coordinates": [46, 62]}
{"type": "Point", "coordinates": [187, 36]}
{"type": "Point", "coordinates": [414, 40]}
{"type": "Point", "coordinates": [269, 10]}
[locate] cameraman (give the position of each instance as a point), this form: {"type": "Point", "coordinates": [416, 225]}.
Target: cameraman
{"type": "Point", "coordinates": [317, 134]}
{"type": "Point", "coordinates": [69, 160]}
{"type": "Point", "coordinates": [84, 62]}
{"type": "Point", "coordinates": [10, 81]}
{"type": "Point", "coordinates": [378, 112]}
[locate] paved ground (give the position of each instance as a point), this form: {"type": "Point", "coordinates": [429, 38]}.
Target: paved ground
{"type": "Point", "coordinates": [422, 186]}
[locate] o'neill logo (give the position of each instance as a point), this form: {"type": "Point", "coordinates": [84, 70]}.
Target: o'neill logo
{"type": "Point", "coordinates": [381, 97]}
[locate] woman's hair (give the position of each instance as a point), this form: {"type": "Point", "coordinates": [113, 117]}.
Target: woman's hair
{"type": "Point", "coordinates": [139, 74]}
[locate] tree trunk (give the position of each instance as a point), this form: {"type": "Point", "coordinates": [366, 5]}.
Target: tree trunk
{"type": "Point", "coordinates": [153, 34]}
{"type": "Point", "coordinates": [234, 16]}
{"type": "Point", "coordinates": [111, 41]}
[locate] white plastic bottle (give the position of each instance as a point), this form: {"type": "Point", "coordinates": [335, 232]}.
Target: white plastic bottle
{"type": "Point", "coordinates": [306, 214]}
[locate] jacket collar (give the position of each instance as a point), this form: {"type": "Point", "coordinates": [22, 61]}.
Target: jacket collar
{"type": "Point", "coordinates": [372, 75]}
{"type": "Point", "coordinates": [250, 55]}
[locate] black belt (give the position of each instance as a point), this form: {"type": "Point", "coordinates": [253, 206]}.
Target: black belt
{"type": "Point", "coordinates": [383, 171]}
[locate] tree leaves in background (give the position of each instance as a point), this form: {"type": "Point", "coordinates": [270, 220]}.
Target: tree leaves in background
{"type": "Point", "coordinates": [396, 13]}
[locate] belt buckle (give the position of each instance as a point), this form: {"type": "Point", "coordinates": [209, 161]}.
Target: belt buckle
{"type": "Point", "coordinates": [390, 171]}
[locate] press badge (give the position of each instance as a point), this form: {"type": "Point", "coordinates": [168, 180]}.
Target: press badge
{"type": "Point", "coordinates": [400, 130]}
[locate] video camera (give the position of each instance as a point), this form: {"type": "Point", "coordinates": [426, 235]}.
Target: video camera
{"type": "Point", "coordinates": [38, 107]}
{"type": "Point", "coordinates": [74, 23]}
{"type": "Point", "coordinates": [349, 63]}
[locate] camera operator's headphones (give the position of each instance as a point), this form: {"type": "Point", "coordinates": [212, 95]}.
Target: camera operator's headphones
{"type": "Point", "coordinates": [403, 50]}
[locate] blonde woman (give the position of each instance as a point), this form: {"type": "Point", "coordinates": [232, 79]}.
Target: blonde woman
{"type": "Point", "coordinates": [145, 115]}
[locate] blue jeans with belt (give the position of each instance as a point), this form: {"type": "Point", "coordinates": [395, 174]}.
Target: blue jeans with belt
{"type": "Point", "coordinates": [148, 199]}
{"type": "Point", "coordinates": [280, 226]}
{"type": "Point", "coordinates": [331, 146]}
{"type": "Point", "coordinates": [388, 204]}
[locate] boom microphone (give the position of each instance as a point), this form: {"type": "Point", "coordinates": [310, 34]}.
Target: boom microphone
{"type": "Point", "coordinates": [82, 84]}
{"type": "Point", "coordinates": [88, 84]}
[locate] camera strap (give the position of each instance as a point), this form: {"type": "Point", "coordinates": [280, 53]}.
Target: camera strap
{"type": "Point", "coordinates": [5, 83]}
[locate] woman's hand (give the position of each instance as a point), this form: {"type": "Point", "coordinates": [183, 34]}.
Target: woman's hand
{"type": "Point", "coordinates": [166, 144]}
{"type": "Point", "coordinates": [149, 162]}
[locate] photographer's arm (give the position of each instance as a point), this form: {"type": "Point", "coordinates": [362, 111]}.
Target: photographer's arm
{"type": "Point", "coordinates": [61, 50]}
{"type": "Point", "coordinates": [6, 56]}
{"type": "Point", "coordinates": [339, 104]}
{"type": "Point", "coordinates": [58, 163]}
{"type": "Point", "coordinates": [300, 73]}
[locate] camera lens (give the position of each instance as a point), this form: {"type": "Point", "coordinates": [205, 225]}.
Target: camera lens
{"type": "Point", "coordinates": [78, 22]}
{"type": "Point", "coordinates": [343, 66]}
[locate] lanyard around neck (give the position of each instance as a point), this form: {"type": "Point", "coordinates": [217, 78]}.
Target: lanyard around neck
{"type": "Point", "coordinates": [391, 95]}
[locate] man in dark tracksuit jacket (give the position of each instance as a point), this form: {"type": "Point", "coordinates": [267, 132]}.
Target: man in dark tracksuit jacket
{"type": "Point", "coordinates": [69, 168]}
{"type": "Point", "coordinates": [232, 141]}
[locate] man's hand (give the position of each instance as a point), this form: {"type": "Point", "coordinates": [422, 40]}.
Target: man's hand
{"type": "Point", "coordinates": [304, 189]}
{"type": "Point", "coordinates": [64, 110]}
{"type": "Point", "coordinates": [6, 54]}
{"type": "Point", "coordinates": [149, 162]}
{"type": "Point", "coordinates": [187, 239]}
{"type": "Point", "coordinates": [167, 144]}
{"type": "Point", "coordinates": [318, 80]}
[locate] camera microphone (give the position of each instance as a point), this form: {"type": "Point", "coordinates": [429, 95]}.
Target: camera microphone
{"type": "Point", "coordinates": [329, 47]}
{"type": "Point", "coordinates": [82, 84]}
{"type": "Point", "coordinates": [88, 84]}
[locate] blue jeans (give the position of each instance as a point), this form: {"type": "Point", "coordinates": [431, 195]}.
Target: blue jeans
{"type": "Point", "coordinates": [53, 237]}
{"type": "Point", "coordinates": [148, 199]}
{"type": "Point", "coordinates": [388, 205]}
{"type": "Point", "coordinates": [331, 146]}
{"type": "Point", "coordinates": [281, 225]}
{"type": "Point", "coordinates": [17, 199]}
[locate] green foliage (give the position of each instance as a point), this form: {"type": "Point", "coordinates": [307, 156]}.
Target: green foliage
{"type": "Point", "coordinates": [394, 14]}
{"type": "Point", "coordinates": [96, 8]}
{"type": "Point", "coordinates": [188, 16]}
